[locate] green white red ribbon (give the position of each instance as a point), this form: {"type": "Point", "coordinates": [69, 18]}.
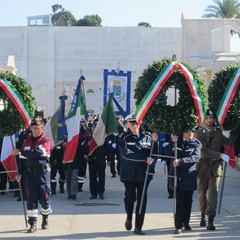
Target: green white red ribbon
{"type": "Point", "coordinates": [228, 97]}
{"type": "Point", "coordinates": [160, 81]}
{"type": "Point", "coordinates": [17, 100]}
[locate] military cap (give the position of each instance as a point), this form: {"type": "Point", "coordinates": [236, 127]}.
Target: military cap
{"type": "Point", "coordinates": [209, 112]}
{"type": "Point", "coordinates": [131, 118]}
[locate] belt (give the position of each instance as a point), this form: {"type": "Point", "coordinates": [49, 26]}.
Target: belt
{"type": "Point", "coordinates": [39, 169]}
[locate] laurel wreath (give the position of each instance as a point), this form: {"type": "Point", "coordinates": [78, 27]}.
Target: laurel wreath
{"type": "Point", "coordinates": [10, 119]}
{"type": "Point", "coordinates": [161, 116]}
{"type": "Point", "coordinates": [216, 91]}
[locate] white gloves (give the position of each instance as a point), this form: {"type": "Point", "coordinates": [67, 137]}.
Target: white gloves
{"type": "Point", "coordinates": [224, 157]}
{"type": "Point", "coordinates": [163, 162]}
{"type": "Point", "coordinates": [226, 134]}
{"type": "Point", "coordinates": [114, 145]}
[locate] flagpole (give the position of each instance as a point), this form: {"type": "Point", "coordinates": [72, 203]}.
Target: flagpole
{"type": "Point", "coordinates": [223, 178]}
{"type": "Point", "coordinates": [20, 188]}
{"type": "Point", "coordinates": [145, 180]}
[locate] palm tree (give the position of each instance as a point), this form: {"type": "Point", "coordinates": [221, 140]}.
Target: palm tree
{"type": "Point", "coordinates": [223, 9]}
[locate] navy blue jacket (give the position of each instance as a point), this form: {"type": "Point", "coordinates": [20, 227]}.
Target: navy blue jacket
{"type": "Point", "coordinates": [188, 154]}
{"type": "Point", "coordinates": [134, 151]}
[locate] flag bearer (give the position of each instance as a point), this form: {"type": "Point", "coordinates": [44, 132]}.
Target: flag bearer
{"type": "Point", "coordinates": [135, 147]}
{"type": "Point", "coordinates": [34, 164]}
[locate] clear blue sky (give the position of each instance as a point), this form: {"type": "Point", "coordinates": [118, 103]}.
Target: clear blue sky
{"type": "Point", "coordinates": [159, 13]}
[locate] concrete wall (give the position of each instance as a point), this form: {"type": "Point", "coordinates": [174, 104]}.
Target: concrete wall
{"type": "Point", "coordinates": [51, 58]}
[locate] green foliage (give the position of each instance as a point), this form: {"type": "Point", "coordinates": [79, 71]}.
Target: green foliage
{"type": "Point", "coordinates": [216, 91]}
{"type": "Point", "coordinates": [144, 24]}
{"type": "Point", "coordinates": [10, 119]}
{"type": "Point", "coordinates": [90, 20]}
{"type": "Point", "coordinates": [223, 9]}
{"type": "Point", "coordinates": [61, 17]}
{"type": "Point", "coordinates": [165, 118]}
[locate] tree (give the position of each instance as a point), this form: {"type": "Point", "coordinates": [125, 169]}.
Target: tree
{"type": "Point", "coordinates": [61, 17]}
{"type": "Point", "coordinates": [90, 20]}
{"type": "Point", "coordinates": [223, 9]}
{"type": "Point", "coordinates": [144, 24]}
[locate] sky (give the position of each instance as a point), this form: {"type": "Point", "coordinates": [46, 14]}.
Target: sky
{"type": "Point", "coordinates": [114, 13]}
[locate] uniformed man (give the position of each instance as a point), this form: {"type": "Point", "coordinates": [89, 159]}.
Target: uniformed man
{"type": "Point", "coordinates": [210, 168]}
{"type": "Point", "coordinates": [188, 153]}
{"type": "Point", "coordinates": [135, 147]}
{"type": "Point", "coordinates": [57, 166]}
{"type": "Point", "coordinates": [34, 163]}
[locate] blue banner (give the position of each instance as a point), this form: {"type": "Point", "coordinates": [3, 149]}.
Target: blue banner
{"type": "Point", "coordinates": [119, 84]}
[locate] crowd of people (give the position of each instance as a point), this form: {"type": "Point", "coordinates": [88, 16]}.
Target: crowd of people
{"type": "Point", "coordinates": [194, 162]}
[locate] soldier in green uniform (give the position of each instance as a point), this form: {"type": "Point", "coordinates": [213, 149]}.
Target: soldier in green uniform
{"type": "Point", "coordinates": [209, 168]}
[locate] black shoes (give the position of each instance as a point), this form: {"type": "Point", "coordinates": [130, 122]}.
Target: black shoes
{"type": "Point", "coordinates": [203, 223]}
{"type": "Point", "coordinates": [113, 176]}
{"type": "Point", "coordinates": [101, 195]}
{"type": "Point", "coordinates": [138, 231]}
{"type": "Point", "coordinates": [187, 227]}
{"type": "Point", "coordinates": [211, 227]}
{"type": "Point", "coordinates": [128, 225]}
{"type": "Point", "coordinates": [32, 229]}
{"type": "Point", "coordinates": [178, 231]}
{"type": "Point", "coordinates": [44, 223]}
{"type": "Point", "coordinates": [170, 197]}
{"type": "Point", "coordinates": [93, 197]}
{"type": "Point", "coordinates": [72, 197]}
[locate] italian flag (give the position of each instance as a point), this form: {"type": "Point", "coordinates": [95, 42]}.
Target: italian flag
{"type": "Point", "coordinates": [17, 100]}
{"type": "Point", "coordinates": [73, 128]}
{"type": "Point", "coordinates": [160, 81]}
{"type": "Point", "coordinates": [106, 125]}
{"type": "Point", "coordinates": [51, 128]}
{"type": "Point", "coordinates": [7, 159]}
{"type": "Point", "coordinates": [228, 97]}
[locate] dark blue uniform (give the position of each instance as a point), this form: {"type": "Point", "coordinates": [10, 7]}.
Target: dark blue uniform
{"type": "Point", "coordinates": [188, 153]}
{"type": "Point", "coordinates": [134, 151]}
{"type": "Point", "coordinates": [56, 161]}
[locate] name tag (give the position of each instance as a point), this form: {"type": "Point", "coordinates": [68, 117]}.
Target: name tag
{"type": "Point", "coordinates": [58, 147]}
{"type": "Point", "coordinates": [27, 148]}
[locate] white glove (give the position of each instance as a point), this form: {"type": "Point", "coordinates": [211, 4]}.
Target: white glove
{"type": "Point", "coordinates": [224, 157]}
{"type": "Point", "coordinates": [163, 162]}
{"type": "Point", "coordinates": [226, 134]}
{"type": "Point", "coordinates": [114, 145]}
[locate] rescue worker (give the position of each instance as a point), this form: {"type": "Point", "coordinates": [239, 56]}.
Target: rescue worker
{"type": "Point", "coordinates": [209, 168]}
{"type": "Point", "coordinates": [57, 166]}
{"type": "Point", "coordinates": [34, 163]}
{"type": "Point", "coordinates": [135, 147]}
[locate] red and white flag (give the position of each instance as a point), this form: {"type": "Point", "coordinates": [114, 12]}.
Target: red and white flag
{"type": "Point", "coordinates": [7, 158]}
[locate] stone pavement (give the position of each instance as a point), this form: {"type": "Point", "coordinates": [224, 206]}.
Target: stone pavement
{"type": "Point", "coordinates": [104, 219]}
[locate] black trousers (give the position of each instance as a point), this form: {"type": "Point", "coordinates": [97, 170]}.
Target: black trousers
{"type": "Point", "coordinates": [183, 208]}
{"type": "Point", "coordinates": [133, 192]}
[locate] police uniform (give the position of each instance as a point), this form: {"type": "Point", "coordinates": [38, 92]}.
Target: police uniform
{"type": "Point", "coordinates": [34, 163]}
{"type": "Point", "coordinates": [134, 150]}
{"type": "Point", "coordinates": [209, 170]}
{"type": "Point", "coordinates": [188, 154]}
{"type": "Point", "coordinates": [56, 161]}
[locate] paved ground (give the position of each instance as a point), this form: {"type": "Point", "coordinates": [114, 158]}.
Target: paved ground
{"type": "Point", "coordinates": [104, 219]}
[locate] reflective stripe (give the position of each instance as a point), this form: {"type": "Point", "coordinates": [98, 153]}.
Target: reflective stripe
{"type": "Point", "coordinates": [53, 180]}
{"type": "Point", "coordinates": [43, 150]}
{"type": "Point", "coordinates": [32, 213]}
{"type": "Point", "coordinates": [46, 211]}
{"type": "Point", "coordinates": [80, 179]}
